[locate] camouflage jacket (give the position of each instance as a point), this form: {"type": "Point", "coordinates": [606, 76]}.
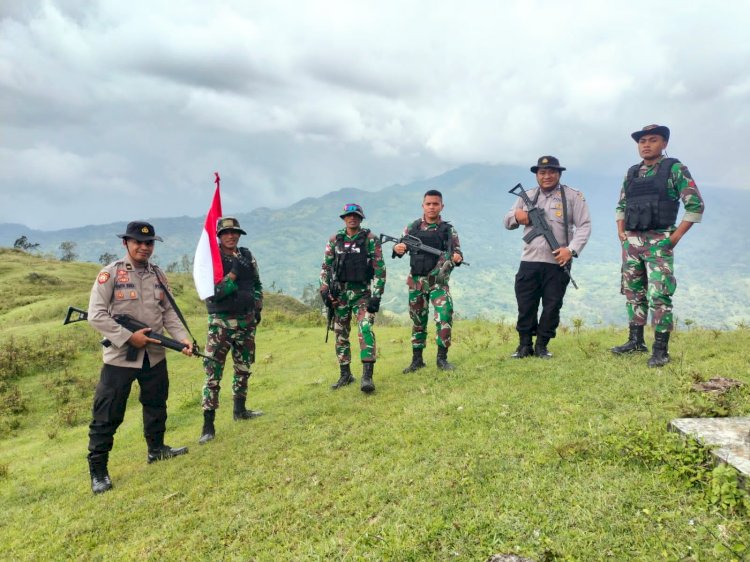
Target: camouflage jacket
{"type": "Point", "coordinates": [374, 253]}
{"type": "Point", "coordinates": [680, 185]}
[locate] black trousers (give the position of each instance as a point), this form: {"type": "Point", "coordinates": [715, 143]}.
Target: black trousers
{"type": "Point", "coordinates": [535, 282]}
{"type": "Point", "coordinates": [111, 398]}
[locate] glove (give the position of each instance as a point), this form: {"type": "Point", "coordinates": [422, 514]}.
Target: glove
{"type": "Point", "coordinates": [326, 296]}
{"type": "Point", "coordinates": [242, 267]}
{"type": "Point", "coordinates": [373, 305]}
{"type": "Point", "coordinates": [257, 317]}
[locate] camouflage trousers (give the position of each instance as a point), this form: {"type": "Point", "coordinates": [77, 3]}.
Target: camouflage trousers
{"type": "Point", "coordinates": [425, 289]}
{"type": "Point", "coordinates": [648, 279]}
{"type": "Point", "coordinates": [353, 304]}
{"type": "Point", "coordinates": [225, 333]}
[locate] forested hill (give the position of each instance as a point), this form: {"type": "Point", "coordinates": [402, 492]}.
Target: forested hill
{"type": "Point", "coordinates": [712, 267]}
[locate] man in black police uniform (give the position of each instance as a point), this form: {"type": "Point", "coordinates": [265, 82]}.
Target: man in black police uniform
{"type": "Point", "coordinates": [132, 285]}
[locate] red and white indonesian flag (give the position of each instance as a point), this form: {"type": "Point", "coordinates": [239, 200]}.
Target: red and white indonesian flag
{"type": "Point", "coordinates": [207, 267]}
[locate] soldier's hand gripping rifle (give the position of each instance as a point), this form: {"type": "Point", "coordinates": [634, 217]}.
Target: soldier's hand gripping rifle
{"type": "Point", "coordinates": [416, 245]}
{"type": "Point", "coordinates": [539, 226]}
{"type": "Point", "coordinates": [131, 324]}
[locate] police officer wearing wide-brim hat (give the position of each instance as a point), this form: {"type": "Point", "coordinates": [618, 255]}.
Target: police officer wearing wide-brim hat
{"type": "Point", "coordinates": [234, 312]}
{"type": "Point", "coordinates": [541, 277]}
{"type": "Point", "coordinates": [646, 217]}
{"type": "Point", "coordinates": [132, 285]}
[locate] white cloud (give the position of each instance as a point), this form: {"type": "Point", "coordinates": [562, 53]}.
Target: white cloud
{"type": "Point", "coordinates": [297, 98]}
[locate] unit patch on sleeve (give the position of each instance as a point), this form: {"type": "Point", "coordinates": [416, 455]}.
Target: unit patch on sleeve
{"type": "Point", "coordinates": [103, 277]}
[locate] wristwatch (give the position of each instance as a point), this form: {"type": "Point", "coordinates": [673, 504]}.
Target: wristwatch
{"type": "Point", "coordinates": [573, 253]}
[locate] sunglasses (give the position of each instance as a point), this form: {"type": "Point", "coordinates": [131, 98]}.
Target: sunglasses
{"type": "Point", "coordinates": [142, 242]}
{"type": "Point", "coordinates": [352, 208]}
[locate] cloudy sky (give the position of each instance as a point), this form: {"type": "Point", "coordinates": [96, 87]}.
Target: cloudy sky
{"type": "Point", "coordinates": [113, 110]}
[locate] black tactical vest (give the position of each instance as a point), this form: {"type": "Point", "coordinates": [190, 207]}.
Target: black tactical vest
{"type": "Point", "coordinates": [241, 302]}
{"type": "Point", "coordinates": [647, 204]}
{"type": "Point", "coordinates": [422, 263]}
{"type": "Point", "coordinates": [351, 262]}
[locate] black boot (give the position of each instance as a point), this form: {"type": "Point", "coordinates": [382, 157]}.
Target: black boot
{"type": "Point", "coordinates": [367, 385]}
{"type": "Point", "coordinates": [416, 361]}
{"type": "Point", "coordinates": [442, 359]}
{"type": "Point", "coordinates": [345, 377]}
{"type": "Point", "coordinates": [100, 481]}
{"type": "Point", "coordinates": [525, 347]}
{"type": "Point", "coordinates": [208, 432]}
{"type": "Point", "coordinates": [660, 353]}
{"type": "Point", "coordinates": [158, 451]}
{"type": "Point", "coordinates": [540, 348]}
{"type": "Point", "coordinates": [635, 343]}
{"type": "Point", "coordinates": [242, 413]}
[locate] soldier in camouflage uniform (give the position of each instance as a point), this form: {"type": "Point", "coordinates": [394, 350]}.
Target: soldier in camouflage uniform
{"type": "Point", "coordinates": [353, 259]}
{"type": "Point", "coordinates": [233, 315]}
{"type": "Point", "coordinates": [428, 280]}
{"type": "Point", "coordinates": [646, 215]}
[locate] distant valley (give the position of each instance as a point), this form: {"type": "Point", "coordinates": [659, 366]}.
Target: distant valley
{"type": "Point", "coordinates": [713, 272]}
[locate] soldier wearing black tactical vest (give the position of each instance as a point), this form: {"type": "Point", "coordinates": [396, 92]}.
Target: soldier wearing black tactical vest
{"type": "Point", "coordinates": [234, 312]}
{"type": "Point", "coordinates": [352, 281]}
{"type": "Point", "coordinates": [428, 280]}
{"type": "Point", "coordinates": [646, 216]}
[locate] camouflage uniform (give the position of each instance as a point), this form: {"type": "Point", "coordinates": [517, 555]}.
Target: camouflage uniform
{"type": "Point", "coordinates": [432, 288]}
{"type": "Point", "coordinates": [648, 279]}
{"type": "Point", "coordinates": [352, 298]}
{"type": "Point", "coordinates": [231, 329]}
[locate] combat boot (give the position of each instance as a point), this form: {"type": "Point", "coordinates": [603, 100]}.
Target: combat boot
{"type": "Point", "coordinates": [367, 385]}
{"type": "Point", "coordinates": [635, 343]}
{"type": "Point", "coordinates": [660, 352]}
{"type": "Point", "coordinates": [540, 348]}
{"type": "Point", "coordinates": [345, 377]}
{"type": "Point", "coordinates": [525, 347]}
{"type": "Point", "coordinates": [158, 451]}
{"type": "Point", "coordinates": [242, 413]}
{"type": "Point", "coordinates": [442, 359]}
{"type": "Point", "coordinates": [100, 481]}
{"type": "Point", "coordinates": [208, 432]}
{"type": "Point", "coordinates": [416, 361]}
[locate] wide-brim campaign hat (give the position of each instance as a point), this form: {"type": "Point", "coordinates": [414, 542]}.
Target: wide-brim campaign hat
{"type": "Point", "coordinates": [661, 130]}
{"type": "Point", "coordinates": [352, 209]}
{"type": "Point", "coordinates": [547, 162]}
{"type": "Point", "coordinates": [228, 224]}
{"type": "Point", "coordinates": [141, 231]}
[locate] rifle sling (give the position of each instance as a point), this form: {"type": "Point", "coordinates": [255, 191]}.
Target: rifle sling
{"type": "Point", "coordinates": [564, 207]}
{"type": "Point", "coordinates": [171, 300]}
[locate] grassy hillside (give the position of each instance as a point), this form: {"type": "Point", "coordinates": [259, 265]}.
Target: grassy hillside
{"type": "Point", "coordinates": [566, 459]}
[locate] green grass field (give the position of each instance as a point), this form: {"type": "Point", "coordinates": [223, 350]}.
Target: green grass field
{"type": "Point", "coordinates": [567, 459]}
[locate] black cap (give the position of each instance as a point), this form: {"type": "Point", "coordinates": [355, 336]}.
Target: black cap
{"type": "Point", "coordinates": [141, 231]}
{"type": "Point", "coordinates": [228, 224]}
{"type": "Point", "coordinates": [661, 130]}
{"type": "Point", "coordinates": [547, 162]}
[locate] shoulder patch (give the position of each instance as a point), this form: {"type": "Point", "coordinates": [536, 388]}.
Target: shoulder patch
{"type": "Point", "coordinates": [103, 277]}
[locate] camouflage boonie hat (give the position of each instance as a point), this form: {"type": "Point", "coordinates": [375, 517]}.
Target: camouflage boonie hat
{"type": "Point", "coordinates": [141, 231]}
{"type": "Point", "coordinates": [661, 130]}
{"type": "Point", "coordinates": [547, 162]}
{"type": "Point", "coordinates": [352, 209]}
{"type": "Point", "coordinates": [228, 224]}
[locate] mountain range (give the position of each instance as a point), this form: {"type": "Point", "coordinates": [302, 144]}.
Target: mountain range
{"type": "Point", "coordinates": [712, 270]}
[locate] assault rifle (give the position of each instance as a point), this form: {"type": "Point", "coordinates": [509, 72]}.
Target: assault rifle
{"type": "Point", "coordinates": [131, 324]}
{"type": "Point", "coordinates": [333, 291]}
{"type": "Point", "coordinates": [416, 245]}
{"type": "Point", "coordinates": [539, 226]}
